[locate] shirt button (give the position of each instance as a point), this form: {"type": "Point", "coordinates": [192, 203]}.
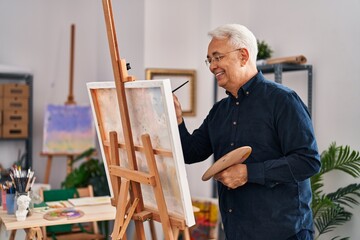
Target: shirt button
{"type": "Point", "coordinates": [247, 93]}
{"type": "Point", "coordinates": [237, 103]}
{"type": "Point", "coordinates": [234, 123]}
{"type": "Point", "coordinates": [230, 210]}
{"type": "Point", "coordinates": [231, 144]}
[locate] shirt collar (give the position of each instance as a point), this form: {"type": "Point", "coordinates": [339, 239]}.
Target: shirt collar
{"type": "Point", "coordinates": [249, 85]}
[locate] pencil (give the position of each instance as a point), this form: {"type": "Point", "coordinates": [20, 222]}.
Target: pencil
{"type": "Point", "coordinates": [180, 86]}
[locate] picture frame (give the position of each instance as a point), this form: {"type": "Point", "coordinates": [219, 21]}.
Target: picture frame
{"type": "Point", "coordinates": [186, 93]}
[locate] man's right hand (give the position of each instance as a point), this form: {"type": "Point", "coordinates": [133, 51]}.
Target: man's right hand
{"type": "Point", "coordinates": [178, 110]}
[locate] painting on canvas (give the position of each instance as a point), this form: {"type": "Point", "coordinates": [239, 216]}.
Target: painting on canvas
{"type": "Point", "coordinates": [151, 111]}
{"type": "Point", "coordinates": [68, 129]}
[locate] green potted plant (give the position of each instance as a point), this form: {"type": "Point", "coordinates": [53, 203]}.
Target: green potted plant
{"type": "Point", "coordinates": [331, 210]}
{"type": "Point", "coordinates": [264, 50]}
{"type": "Point", "coordinates": [90, 172]}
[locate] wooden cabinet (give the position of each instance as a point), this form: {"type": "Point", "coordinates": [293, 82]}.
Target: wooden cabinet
{"type": "Point", "coordinates": [16, 106]}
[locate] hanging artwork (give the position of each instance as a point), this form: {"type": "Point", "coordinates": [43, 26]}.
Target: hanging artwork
{"type": "Point", "coordinates": [68, 129]}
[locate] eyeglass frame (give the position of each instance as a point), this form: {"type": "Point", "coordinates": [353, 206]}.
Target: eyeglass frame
{"type": "Point", "coordinates": [219, 57]}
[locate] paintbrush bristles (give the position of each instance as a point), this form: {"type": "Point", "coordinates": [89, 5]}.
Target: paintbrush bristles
{"type": "Point", "coordinates": [22, 182]}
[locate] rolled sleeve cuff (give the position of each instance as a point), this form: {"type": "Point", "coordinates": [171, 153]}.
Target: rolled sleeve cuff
{"type": "Point", "coordinates": [256, 173]}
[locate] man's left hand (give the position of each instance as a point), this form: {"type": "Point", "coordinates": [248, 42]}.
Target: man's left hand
{"type": "Point", "coordinates": [233, 177]}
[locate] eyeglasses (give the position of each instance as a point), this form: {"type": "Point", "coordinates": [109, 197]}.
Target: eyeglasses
{"type": "Point", "coordinates": [218, 58]}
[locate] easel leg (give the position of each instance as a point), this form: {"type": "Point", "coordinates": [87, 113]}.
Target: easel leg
{"type": "Point", "coordinates": [48, 169]}
{"type": "Point", "coordinates": [12, 235]}
{"type": "Point", "coordinates": [152, 229]}
{"type": "Point", "coordinates": [121, 197]}
{"type": "Point", "coordinates": [176, 232]}
{"type": "Point", "coordinates": [123, 218]}
{"type": "Point", "coordinates": [34, 233]}
{"type": "Point", "coordinates": [186, 234]}
{"type": "Point", "coordinates": [159, 195]}
{"type": "Point", "coordinates": [120, 208]}
{"type": "Point", "coordinates": [128, 219]}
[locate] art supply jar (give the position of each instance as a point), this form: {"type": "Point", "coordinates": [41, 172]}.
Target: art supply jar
{"type": "Point", "coordinates": [10, 203]}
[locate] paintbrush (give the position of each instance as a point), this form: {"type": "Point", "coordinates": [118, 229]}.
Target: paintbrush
{"type": "Point", "coordinates": [180, 86]}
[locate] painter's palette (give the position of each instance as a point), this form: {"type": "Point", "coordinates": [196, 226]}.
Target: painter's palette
{"type": "Point", "coordinates": [236, 156]}
{"type": "Point", "coordinates": [68, 213]}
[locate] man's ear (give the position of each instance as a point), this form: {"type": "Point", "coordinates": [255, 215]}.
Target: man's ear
{"type": "Point", "coordinates": [244, 56]}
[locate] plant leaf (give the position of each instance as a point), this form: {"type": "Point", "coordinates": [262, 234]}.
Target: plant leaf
{"type": "Point", "coordinates": [346, 195]}
{"type": "Point", "coordinates": [329, 209]}
{"type": "Point", "coordinates": [90, 171]}
{"type": "Point", "coordinates": [331, 218]}
{"type": "Point", "coordinates": [340, 158]}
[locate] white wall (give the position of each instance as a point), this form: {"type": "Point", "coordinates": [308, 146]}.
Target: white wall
{"type": "Point", "coordinates": [172, 34]}
{"type": "Point", "coordinates": [36, 35]}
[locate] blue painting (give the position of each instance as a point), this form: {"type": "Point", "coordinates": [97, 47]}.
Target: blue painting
{"type": "Point", "coordinates": [68, 129]}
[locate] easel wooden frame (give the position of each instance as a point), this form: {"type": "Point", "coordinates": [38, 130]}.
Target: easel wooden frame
{"type": "Point", "coordinates": [126, 182]}
{"type": "Point", "coordinates": [69, 162]}
{"type": "Point", "coordinates": [69, 159]}
{"type": "Point", "coordinates": [70, 101]}
{"type": "Point", "coordinates": [71, 97]}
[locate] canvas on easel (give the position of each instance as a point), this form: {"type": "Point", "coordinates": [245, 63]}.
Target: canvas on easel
{"type": "Point", "coordinates": [68, 129]}
{"type": "Point", "coordinates": [151, 111]}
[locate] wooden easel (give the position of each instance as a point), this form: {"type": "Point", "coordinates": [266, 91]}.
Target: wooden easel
{"type": "Point", "coordinates": [69, 162]}
{"type": "Point", "coordinates": [126, 181]}
{"type": "Point", "coordinates": [69, 159]}
{"type": "Point", "coordinates": [70, 101]}
{"type": "Point", "coordinates": [71, 98]}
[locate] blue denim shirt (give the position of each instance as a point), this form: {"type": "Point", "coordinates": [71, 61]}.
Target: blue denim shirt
{"type": "Point", "coordinates": [275, 202]}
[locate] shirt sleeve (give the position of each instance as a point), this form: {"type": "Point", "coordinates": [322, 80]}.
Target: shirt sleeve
{"type": "Point", "coordinates": [196, 146]}
{"type": "Point", "coordinates": [300, 159]}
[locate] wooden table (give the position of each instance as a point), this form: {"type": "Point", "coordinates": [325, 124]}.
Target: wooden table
{"type": "Point", "coordinates": [32, 225]}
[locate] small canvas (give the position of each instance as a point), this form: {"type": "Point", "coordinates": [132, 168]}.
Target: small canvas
{"type": "Point", "coordinates": [151, 111]}
{"type": "Point", "coordinates": [68, 129]}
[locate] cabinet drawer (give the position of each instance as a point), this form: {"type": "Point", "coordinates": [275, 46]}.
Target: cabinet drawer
{"type": "Point", "coordinates": [16, 90]}
{"type": "Point", "coordinates": [15, 117]}
{"type": "Point", "coordinates": [15, 103]}
{"type": "Point", "coordinates": [15, 131]}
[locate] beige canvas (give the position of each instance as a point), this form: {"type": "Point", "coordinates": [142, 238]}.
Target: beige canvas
{"type": "Point", "coordinates": [151, 111]}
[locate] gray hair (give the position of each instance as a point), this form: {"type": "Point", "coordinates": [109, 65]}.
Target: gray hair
{"type": "Point", "coordinates": [239, 36]}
